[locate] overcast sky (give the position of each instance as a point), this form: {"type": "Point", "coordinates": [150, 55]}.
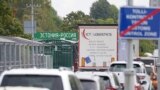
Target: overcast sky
{"type": "Point", "coordinates": [64, 7]}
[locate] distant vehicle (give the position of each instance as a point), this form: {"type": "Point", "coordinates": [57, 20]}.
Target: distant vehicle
{"type": "Point", "coordinates": [53, 79]}
{"type": "Point", "coordinates": [118, 68]}
{"type": "Point", "coordinates": [90, 81]}
{"type": "Point", "coordinates": [21, 88]}
{"type": "Point", "coordinates": [147, 60]}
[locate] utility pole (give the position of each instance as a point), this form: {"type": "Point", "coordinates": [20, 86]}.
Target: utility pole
{"type": "Point", "coordinates": [32, 5]}
{"type": "Point", "coordinates": [129, 72]}
{"type": "Point", "coordinates": [33, 31]}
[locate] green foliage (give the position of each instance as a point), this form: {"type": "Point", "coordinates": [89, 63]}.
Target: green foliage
{"type": "Point", "coordinates": [105, 21]}
{"type": "Point", "coordinates": [101, 9]}
{"type": "Point", "coordinates": [45, 16]}
{"type": "Point", "coordinates": [73, 19]}
{"type": "Point", "coordinates": [8, 24]}
{"type": "Point", "coordinates": [146, 46]}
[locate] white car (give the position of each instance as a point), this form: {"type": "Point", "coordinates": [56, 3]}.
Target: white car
{"type": "Point", "coordinates": [53, 79]}
{"type": "Point", "coordinates": [118, 67]}
{"type": "Point", "coordinates": [110, 79]}
{"type": "Point", "coordinates": [21, 88]}
{"type": "Point", "coordinates": [90, 81]}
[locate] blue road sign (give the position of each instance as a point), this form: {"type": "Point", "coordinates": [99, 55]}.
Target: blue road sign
{"type": "Point", "coordinates": [139, 23]}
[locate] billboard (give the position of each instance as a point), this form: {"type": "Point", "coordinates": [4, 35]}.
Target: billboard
{"type": "Point", "coordinates": [97, 46]}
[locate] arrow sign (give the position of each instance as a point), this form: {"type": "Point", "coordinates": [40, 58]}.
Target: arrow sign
{"type": "Point", "coordinates": [139, 23]}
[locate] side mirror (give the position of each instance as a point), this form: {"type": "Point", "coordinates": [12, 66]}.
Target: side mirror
{"type": "Point", "coordinates": [143, 82]}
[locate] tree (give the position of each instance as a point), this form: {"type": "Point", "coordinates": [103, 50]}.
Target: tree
{"type": "Point", "coordinates": [101, 9]}
{"type": "Point", "coordinates": [8, 24]}
{"type": "Point", "coordinates": [146, 46]}
{"type": "Point", "coordinates": [73, 19]}
{"type": "Point", "coordinates": [105, 21]}
{"type": "Point", "coordinates": [114, 13]}
{"type": "Point", "coordinates": [45, 16]}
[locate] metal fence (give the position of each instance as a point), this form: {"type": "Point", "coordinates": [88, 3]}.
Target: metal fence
{"type": "Point", "coordinates": [16, 52]}
{"type": "Point", "coordinates": [64, 53]}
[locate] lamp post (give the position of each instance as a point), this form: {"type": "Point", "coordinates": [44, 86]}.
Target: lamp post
{"type": "Point", "coordinates": [32, 5]}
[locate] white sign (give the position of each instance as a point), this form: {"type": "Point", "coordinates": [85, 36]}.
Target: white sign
{"type": "Point", "coordinates": [97, 46]}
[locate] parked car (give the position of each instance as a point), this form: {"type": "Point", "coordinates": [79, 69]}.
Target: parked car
{"type": "Point", "coordinates": [53, 79]}
{"type": "Point", "coordinates": [118, 68]}
{"type": "Point", "coordinates": [90, 81]}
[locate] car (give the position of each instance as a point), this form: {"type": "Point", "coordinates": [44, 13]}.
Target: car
{"type": "Point", "coordinates": [90, 81]}
{"type": "Point", "coordinates": [147, 60]}
{"type": "Point", "coordinates": [110, 79]}
{"type": "Point", "coordinates": [118, 68]}
{"type": "Point", "coordinates": [53, 79]}
{"type": "Point", "coordinates": [21, 88]}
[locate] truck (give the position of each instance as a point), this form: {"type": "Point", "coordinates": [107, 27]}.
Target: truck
{"type": "Point", "coordinates": [97, 46]}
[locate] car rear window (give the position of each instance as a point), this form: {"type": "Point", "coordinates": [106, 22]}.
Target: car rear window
{"type": "Point", "coordinates": [50, 82]}
{"type": "Point", "coordinates": [106, 80]}
{"type": "Point", "coordinates": [117, 67]}
{"type": "Point", "coordinates": [88, 85]}
{"type": "Point", "coordinates": [137, 68]}
{"type": "Point", "coordinates": [122, 67]}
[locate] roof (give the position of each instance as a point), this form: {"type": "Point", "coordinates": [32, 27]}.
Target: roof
{"type": "Point", "coordinates": [6, 40]}
{"type": "Point", "coordinates": [20, 40]}
{"type": "Point", "coordinates": [36, 71]}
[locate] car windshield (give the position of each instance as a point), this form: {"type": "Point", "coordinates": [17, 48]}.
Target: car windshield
{"type": "Point", "coordinates": [117, 67]}
{"type": "Point", "coordinates": [121, 67]}
{"type": "Point", "coordinates": [50, 82]}
{"type": "Point", "coordinates": [88, 85]}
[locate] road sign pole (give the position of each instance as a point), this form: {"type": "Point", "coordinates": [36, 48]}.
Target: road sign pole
{"type": "Point", "coordinates": [158, 61]}
{"type": "Point", "coordinates": [129, 72]}
{"type": "Point", "coordinates": [158, 65]}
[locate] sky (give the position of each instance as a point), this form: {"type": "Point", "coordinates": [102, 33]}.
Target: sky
{"type": "Point", "coordinates": [64, 7]}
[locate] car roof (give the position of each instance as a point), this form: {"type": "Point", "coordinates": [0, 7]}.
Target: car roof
{"type": "Point", "coordinates": [21, 88]}
{"type": "Point", "coordinates": [86, 76]}
{"type": "Point", "coordinates": [124, 62]}
{"type": "Point", "coordinates": [37, 71]}
{"type": "Point", "coordinates": [103, 73]}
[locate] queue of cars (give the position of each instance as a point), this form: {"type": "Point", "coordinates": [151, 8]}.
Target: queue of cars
{"type": "Point", "coordinates": [65, 79]}
{"type": "Point", "coordinates": [59, 79]}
